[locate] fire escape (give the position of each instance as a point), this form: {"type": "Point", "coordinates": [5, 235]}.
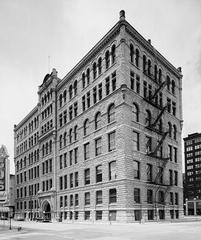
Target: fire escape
{"type": "Point", "coordinates": [156, 152]}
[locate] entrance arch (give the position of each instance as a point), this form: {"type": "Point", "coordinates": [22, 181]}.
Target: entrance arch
{"type": "Point", "coordinates": [46, 211]}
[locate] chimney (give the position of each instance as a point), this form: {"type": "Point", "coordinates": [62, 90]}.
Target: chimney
{"type": "Point", "coordinates": [122, 15]}
{"type": "Point", "coordinates": [54, 72]}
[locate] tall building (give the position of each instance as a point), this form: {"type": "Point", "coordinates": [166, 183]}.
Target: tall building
{"type": "Point", "coordinates": [104, 142]}
{"type": "Point", "coordinates": [6, 185]}
{"type": "Point", "coordinates": [192, 187]}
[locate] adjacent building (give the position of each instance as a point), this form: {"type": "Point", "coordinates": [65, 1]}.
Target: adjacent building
{"type": "Point", "coordinates": [7, 182]}
{"type": "Point", "coordinates": [104, 142]}
{"type": "Point", "coordinates": [192, 187]}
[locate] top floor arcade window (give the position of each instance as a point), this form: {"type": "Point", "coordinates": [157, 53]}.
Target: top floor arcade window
{"type": "Point", "coordinates": [131, 52]}
{"type": "Point", "coordinates": [137, 57]}
{"type": "Point", "coordinates": [113, 54]}
{"type": "Point", "coordinates": [111, 113]}
{"type": "Point", "coordinates": [107, 59]}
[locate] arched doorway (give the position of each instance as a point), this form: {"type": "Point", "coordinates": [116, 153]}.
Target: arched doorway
{"type": "Point", "coordinates": [46, 211]}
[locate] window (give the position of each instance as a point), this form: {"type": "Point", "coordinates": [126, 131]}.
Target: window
{"type": "Point", "coordinates": [83, 80]}
{"type": "Point", "coordinates": [111, 113]}
{"type": "Point", "coordinates": [107, 59]}
{"type": "Point", "coordinates": [87, 176]}
{"type": "Point", "coordinates": [138, 215]}
{"type": "Point", "coordinates": [176, 199]}
{"type": "Point", "coordinates": [170, 177]}
{"type": "Point", "coordinates": [148, 118]}
{"type": "Point", "coordinates": [137, 195]}
{"type": "Point", "coordinates": [75, 88]}
{"type": "Point", "coordinates": [132, 80]}
{"type": "Point", "coordinates": [70, 112]}
{"type": "Point", "coordinates": [65, 182]}
{"type": "Point", "coordinates": [100, 91]}
{"type": "Point", "coordinates": [114, 81]}
{"type": "Point", "coordinates": [112, 215]}
{"type": "Point", "coordinates": [61, 201]}
{"type": "Point", "coordinates": [88, 99]}
{"type": "Point", "coordinates": [169, 129]}
{"type": "Point", "coordinates": [174, 132]}
{"type": "Point", "coordinates": [75, 109]}
{"type": "Point", "coordinates": [171, 198]}
{"type": "Point", "coordinates": [145, 89]}
{"type": "Point", "coordinates": [71, 200]}
{"type": "Point", "coordinates": [99, 215]}
{"type": "Point", "coordinates": [131, 52]}
{"type": "Point", "coordinates": [113, 53]}
{"type": "Point", "coordinates": [86, 151]}
{"type": "Point", "coordinates": [98, 146]}
{"type": "Point", "coordinates": [150, 214]}
{"type": "Point", "coordinates": [149, 172]}
{"type": "Point", "coordinates": [88, 76]}
{"type": "Point", "coordinates": [70, 135]}
{"type": "Point", "coordinates": [76, 199]}
{"type": "Point", "coordinates": [61, 182]}
{"type": "Point", "coordinates": [65, 138]}
{"type": "Point", "coordinates": [149, 196]}
{"type": "Point", "coordinates": [175, 154]}
{"type": "Point", "coordinates": [144, 63]}
{"type": "Point", "coordinates": [137, 57]}
{"type": "Point", "coordinates": [99, 65]}
{"type": "Point", "coordinates": [86, 127]}
{"type": "Point", "coordinates": [70, 92]}
{"type": "Point", "coordinates": [111, 141]}
{"type": "Point", "coordinates": [86, 215]}
{"type": "Point", "coordinates": [75, 133]}
{"type": "Point", "coordinates": [136, 146]}
{"type": "Point", "coordinates": [87, 198]}
{"type": "Point", "coordinates": [161, 197]}
{"type": "Point", "coordinates": [136, 169]}
{"type": "Point", "coordinates": [76, 154]}
{"type": "Point", "coordinates": [99, 173]}
{"type": "Point", "coordinates": [94, 70]}
{"type": "Point", "coordinates": [175, 178]}
{"type": "Point", "coordinates": [135, 112]}
{"type": "Point", "coordinates": [95, 95]}
{"type": "Point", "coordinates": [137, 84]}
{"type": "Point", "coordinates": [149, 67]}
{"type": "Point", "coordinates": [107, 86]}
{"type": "Point", "coordinates": [71, 180]}
{"type": "Point", "coordinates": [170, 152]}
{"type": "Point", "coordinates": [112, 170]}
{"type": "Point", "coordinates": [76, 179]}
{"type": "Point", "coordinates": [173, 87]}
{"type": "Point", "coordinates": [97, 120]}
{"type": "Point", "coordinates": [99, 197]}
{"type": "Point", "coordinates": [168, 83]}
{"type": "Point", "coordinates": [113, 195]}
{"type": "Point", "coordinates": [168, 105]}
{"type": "Point", "coordinates": [148, 141]}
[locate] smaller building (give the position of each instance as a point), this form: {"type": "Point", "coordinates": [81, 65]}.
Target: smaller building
{"type": "Point", "coordinates": [192, 183]}
{"type": "Point", "coordinates": [7, 186]}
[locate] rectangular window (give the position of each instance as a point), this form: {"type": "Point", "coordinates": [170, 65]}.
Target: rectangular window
{"type": "Point", "coordinates": [169, 105]}
{"type": "Point", "coordinates": [71, 180]}
{"type": "Point", "coordinates": [136, 146]}
{"type": "Point", "coordinates": [83, 103]}
{"type": "Point", "coordinates": [107, 86]}
{"type": "Point", "coordinates": [175, 178]}
{"type": "Point", "coordinates": [86, 215]}
{"type": "Point", "coordinates": [149, 172]}
{"type": "Point", "coordinates": [136, 168]}
{"type": "Point", "coordinates": [99, 215]}
{"type": "Point", "coordinates": [150, 214]}
{"type": "Point", "coordinates": [95, 95]}
{"type": "Point", "coordinates": [70, 112]}
{"type": "Point", "coordinates": [86, 151]}
{"type": "Point", "coordinates": [138, 84]}
{"type": "Point", "coordinates": [160, 175]}
{"type": "Point", "coordinates": [61, 201]}
{"type": "Point", "coordinates": [114, 81]}
{"type": "Point", "coordinates": [138, 215]}
{"type": "Point", "coordinates": [137, 195]}
{"type": "Point", "coordinates": [132, 80]}
{"type": "Point", "coordinates": [99, 173]}
{"type": "Point", "coordinates": [112, 170]}
{"type": "Point", "coordinates": [171, 198]}
{"type": "Point", "coordinates": [113, 195]}
{"type": "Point", "coordinates": [71, 200]}
{"type": "Point", "coordinates": [76, 199]}
{"type": "Point", "coordinates": [170, 152]}
{"type": "Point", "coordinates": [65, 182]}
{"type": "Point", "coordinates": [148, 141]}
{"type": "Point", "coordinates": [176, 199]}
{"type": "Point", "coordinates": [61, 182]}
{"type": "Point", "coordinates": [161, 197]}
{"type": "Point", "coordinates": [112, 215]}
{"type": "Point", "coordinates": [145, 89]}
{"type": "Point", "coordinates": [174, 108]}
{"type": "Point", "coordinates": [175, 154]}
{"type": "Point", "coordinates": [71, 157]}
{"type": "Point", "coordinates": [149, 196]}
{"type": "Point", "coordinates": [60, 161]}
{"type": "Point", "coordinates": [170, 177]}
{"type": "Point", "coordinates": [87, 176]}
{"type": "Point", "coordinates": [65, 201]}
{"type": "Point", "coordinates": [75, 109]}
{"type": "Point", "coordinates": [65, 159]}
{"type": "Point", "coordinates": [87, 198]}
{"type": "Point", "coordinates": [98, 146]}
{"type": "Point", "coordinates": [76, 179]}
{"type": "Point", "coordinates": [111, 141]}
{"type": "Point", "coordinates": [100, 91]}
{"type": "Point", "coordinates": [88, 99]}
{"type": "Point", "coordinates": [99, 197]}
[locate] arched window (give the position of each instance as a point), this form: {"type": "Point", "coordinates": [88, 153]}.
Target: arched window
{"type": "Point", "coordinates": [97, 120]}
{"type": "Point", "coordinates": [144, 63]}
{"type": "Point", "coordinates": [60, 141]}
{"type": "Point", "coordinates": [131, 52]}
{"type": "Point", "coordinates": [75, 88]}
{"type": "Point", "coordinates": [135, 112]}
{"type": "Point", "coordinates": [60, 100]}
{"type": "Point", "coordinates": [113, 54]}
{"type": "Point", "coordinates": [174, 132]}
{"type": "Point", "coordinates": [88, 76]}
{"type": "Point", "coordinates": [83, 80]}
{"type": "Point", "coordinates": [137, 57]}
{"type": "Point", "coordinates": [75, 133]}
{"type": "Point", "coordinates": [168, 83]}
{"type": "Point", "coordinates": [70, 135]}
{"type": "Point", "coordinates": [149, 67]}
{"type": "Point", "coordinates": [111, 113]}
{"type": "Point", "coordinates": [70, 92]}
{"type": "Point", "coordinates": [148, 118]}
{"type": "Point", "coordinates": [65, 138]}
{"type": "Point", "coordinates": [170, 129]}
{"type": "Point", "coordinates": [94, 71]}
{"type": "Point", "coordinates": [159, 75]}
{"type": "Point", "coordinates": [99, 65]}
{"type": "Point", "coordinates": [86, 127]}
{"type": "Point", "coordinates": [155, 72]}
{"type": "Point", "coordinates": [173, 87]}
{"type": "Point", "coordinates": [107, 59]}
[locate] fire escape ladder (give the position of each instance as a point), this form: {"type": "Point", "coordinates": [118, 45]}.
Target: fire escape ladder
{"type": "Point", "coordinates": [157, 119]}
{"type": "Point", "coordinates": [162, 85]}
{"type": "Point", "coordinates": [159, 144]}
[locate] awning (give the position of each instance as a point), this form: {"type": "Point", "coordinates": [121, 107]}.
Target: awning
{"type": "Point", "coordinates": [4, 209]}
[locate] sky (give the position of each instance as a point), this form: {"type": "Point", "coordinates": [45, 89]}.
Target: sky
{"type": "Point", "coordinates": [65, 30]}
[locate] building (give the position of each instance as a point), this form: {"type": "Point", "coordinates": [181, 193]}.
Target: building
{"type": "Point", "coordinates": [192, 187]}
{"type": "Point", "coordinates": [104, 142]}
{"type": "Point", "coordinates": [7, 182]}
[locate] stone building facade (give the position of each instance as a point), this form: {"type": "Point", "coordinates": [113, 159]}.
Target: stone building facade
{"type": "Point", "coordinates": [104, 142]}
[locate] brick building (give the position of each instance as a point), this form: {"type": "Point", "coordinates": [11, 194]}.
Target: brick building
{"type": "Point", "coordinates": [192, 186]}
{"type": "Point", "coordinates": [104, 142]}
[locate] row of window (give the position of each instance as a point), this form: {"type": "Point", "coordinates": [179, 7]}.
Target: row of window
{"type": "Point", "coordinates": [47, 126]}
{"type": "Point", "coordinates": [47, 112]}
{"type": "Point", "coordinates": [32, 158]}
{"type": "Point", "coordinates": [31, 191]}
{"type": "Point", "coordinates": [47, 97]}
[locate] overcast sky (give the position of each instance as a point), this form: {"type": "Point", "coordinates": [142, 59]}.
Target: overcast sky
{"type": "Point", "coordinates": [65, 30]}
